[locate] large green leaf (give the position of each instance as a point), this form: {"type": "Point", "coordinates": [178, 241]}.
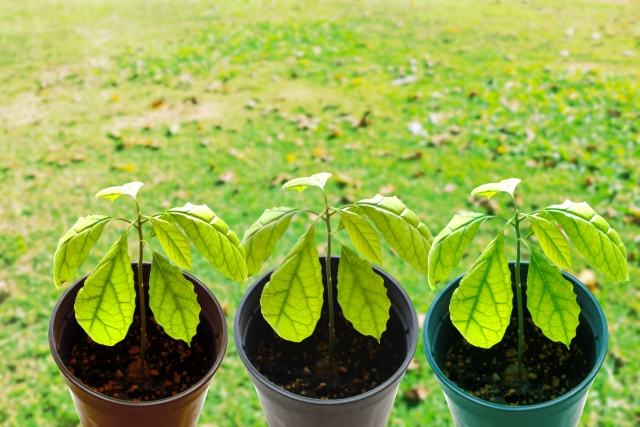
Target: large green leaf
{"type": "Point", "coordinates": [481, 306]}
{"type": "Point", "coordinates": [552, 241]}
{"type": "Point", "coordinates": [449, 246]}
{"type": "Point", "coordinates": [73, 249]}
{"type": "Point", "coordinates": [593, 237]}
{"type": "Point", "coordinates": [260, 240]}
{"type": "Point", "coordinates": [362, 234]}
{"type": "Point", "coordinates": [112, 193]}
{"type": "Point", "coordinates": [362, 295]}
{"type": "Point", "coordinates": [213, 238]}
{"type": "Point", "coordinates": [299, 184]}
{"type": "Point", "coordinates": [292, 300]}
{"type": "Point", "coordinates": [173, 242]}
{"type": "Point", "coordinates": [104, 306]}
{"type": "Point", "coordinates": [172, 300]}
{"type": "Point", "coordinates": [551, 300]}
{"type": "Point", "coordinates": [401, 228]}
{"type": "Point", "coordinates": [488, 190]}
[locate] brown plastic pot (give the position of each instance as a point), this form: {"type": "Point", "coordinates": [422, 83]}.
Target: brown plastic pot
{"type": "Point", "coordinates": [97, 410]}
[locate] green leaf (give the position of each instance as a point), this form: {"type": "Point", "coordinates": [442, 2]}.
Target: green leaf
{"type": "Point", "coordinates": [593, 237]}
{"type": "Point", "coordinates": [506, 186]}
{"type": "Point", "coordinates": [551, 301]}
{"type": "Point", "coordinates": [362, 294]}
{"type": "Point", "coordinates": [166, 217]}
{"type": "Point", "coordinates": [553, 242]}
{"type": "Point", "coordinates": [173, 300]}
{"type": "Point", "coordinates": [73, 249]}
{"type": "Point", "coordinates": [299, 184]}
{"type": "Point", "coordinates": [213, 238]}
{"type": "Point", "coordinates": [260, 240]}
{"type": "Point", "coordinates": [104, 306]}
{"type": "Point", "coordinates": [401, 228]}
{"type": "Point", "coordinates": [112, 193]}
{"type": "Point", "coordinates": [449, 246]}
{"type": "Point", "coordinates": [355, 210]}
{"type": "Point", "coordinates": [362, 234]}
{"type": "Point", "coordinates": [173, 242]}
{"type": "Point", "coordinates": [481, 306]}
{"type": "Point", "coordinates": [292, 300]}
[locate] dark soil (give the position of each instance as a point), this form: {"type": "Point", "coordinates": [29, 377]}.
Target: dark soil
{"type": "Point", "coordinates": [302, 368]}
{"type": "Point", "coordinates": [553, 369]}
{"type": "Point", "coordinates": [172, 366]}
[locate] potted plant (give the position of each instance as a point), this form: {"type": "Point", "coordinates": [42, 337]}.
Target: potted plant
{"type": "Point", "coordinates": [531, 365]}
{"type": "Point", "coordinates": [148, 364]}
{"type": "Point", "coordinates": [317, 358]}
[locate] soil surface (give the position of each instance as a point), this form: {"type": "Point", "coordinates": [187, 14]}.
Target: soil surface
{"type": "Point", "coordinates": [172, 366]}
{"type": "Point", "coordinates": [553, 370]}
{"type": "Point", "coordinates": [361, 363]}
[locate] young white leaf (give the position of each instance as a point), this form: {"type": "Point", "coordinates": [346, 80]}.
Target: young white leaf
{"type": "Point", "coordinates": [213, 238]}
{"type": "Point", "coordinates": [551, 301]}
{"type": "Point", "coordinates": [299, 184]}
{"type": "Point", "coordinates": [449, 246]}
{"type": "Point", "coordinates": [112, 193]}
{"type": "Point", "coordinates": [173, 242]}
{"type": "Point", "coordinates": [260, 240]}
{"type": "Point", "coordinates": [104, 306]}
{"type": "Point", "coordinates": [401, 228]}
{"type": "Point", "coordinates": [172, 300]}
{"type": "Point", "coordinates": [481, 306]}
{"type": "Point", "coordinates": [593, 237]}
{"type": "Point", "coordinates": [553, 242]}
{"type": "Point", "coordinates": [292, 300]}
{"type": "Point", "coordinates": [362, 295]}
{"type": "Point", "coordinates": [488, 190]}
{"type": "Point", "coordinates": [73, 249]}
{"type": "Point", "coordinates": [362, 234]}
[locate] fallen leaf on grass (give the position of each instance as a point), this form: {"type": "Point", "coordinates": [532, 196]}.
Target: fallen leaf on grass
{"type": "Point", "coordinates": [588, 278]}
{"type": "Point", "coordinates": [124, 167]}
{"type": "Point", "coordinates": [416, 128]}
{"type": "Point", "coordinates": [417, 394]}
{"type": "Point", "coordinates": [386, 190]}
{"type": "Point", "coordinates": [449, 188]}
{"type": "Point", "coordinates": [411, 156]}
{"type": "Point", "coordinates": [280, 179]}
{"type": "Point", "coordinates": [404, 80]}
{"type": "Point", "coordinates": [227, 177]}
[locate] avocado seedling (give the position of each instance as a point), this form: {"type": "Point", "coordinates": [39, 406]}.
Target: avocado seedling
{"type": "Point", "coordinates": [481, 307]}
{"type": "Point", "coordinates": [292, 300]}
{"type": "Point", "coordinates": [105, 306]}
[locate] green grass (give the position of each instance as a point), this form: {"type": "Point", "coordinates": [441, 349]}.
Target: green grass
{"type": "Point", "coordinates": [77, 84]}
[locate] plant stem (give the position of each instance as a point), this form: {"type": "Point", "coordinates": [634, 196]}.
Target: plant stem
{"type": "Point", "coordinates": [329, 284]}
{"type": "Point", "coordinates": [143, 314]}
{"type": "Point", "coordinates": [519, 292]}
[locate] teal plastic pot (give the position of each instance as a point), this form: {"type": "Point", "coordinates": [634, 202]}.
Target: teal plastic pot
{"type": "Point", "coordinates": [438, 334]}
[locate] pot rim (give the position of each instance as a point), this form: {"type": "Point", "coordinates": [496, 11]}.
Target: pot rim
{"type": "Point", "coordinates": [585, 384]}
{"type": "Point", "coordinates": [194, 388]}
{"type": "Point", "coordinates": [332, 402]}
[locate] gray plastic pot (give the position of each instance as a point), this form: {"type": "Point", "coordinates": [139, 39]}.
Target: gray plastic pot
{"type": "Point", "coordinates": [98, 410]}
{"type": "Point", "coordinates": [285, 409]}
{"type": "Point", "coordinates": [469, 411]}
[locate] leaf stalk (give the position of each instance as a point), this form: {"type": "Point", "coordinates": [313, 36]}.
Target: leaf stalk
{"type": "Point", "coordinates": [327, 217]}
{"type": "Point", "coordinates": [519, 291]}
{"type": "Point", "coordinates": [143, 314]}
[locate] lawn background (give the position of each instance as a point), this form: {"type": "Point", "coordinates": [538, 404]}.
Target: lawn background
{"type": "Point", "coordinates": [221, 102]}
